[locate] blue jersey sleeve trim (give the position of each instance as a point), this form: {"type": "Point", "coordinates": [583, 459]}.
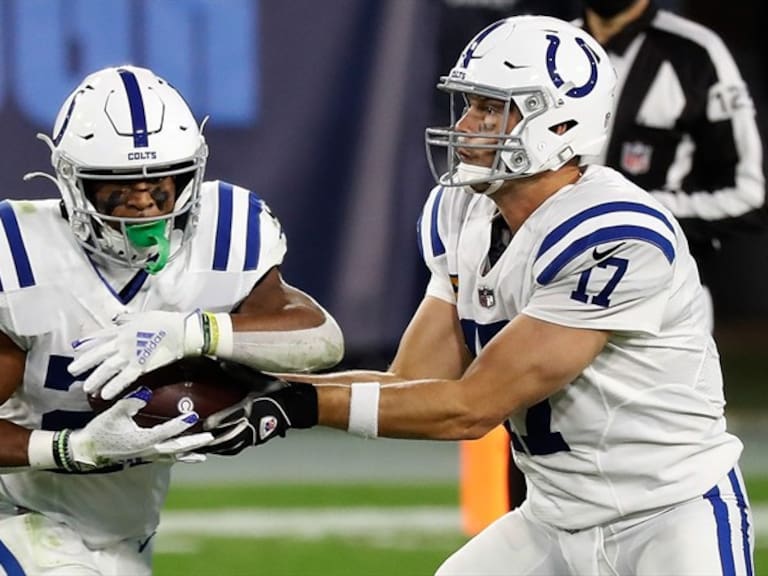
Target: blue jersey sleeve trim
{"type": "Point", "coordinates": [223, 228]}
{"type": "Point", "coordinates": [601, 236]}
{"type": "Point", "coordinates": [9, 563]}
{"type": "Point", "coordinates": [253, 238]}
{"type": "Point", "coordinates": [558, 233]}
{"type": "Point", "coordinates": [438, 248]}
{"type": "Point", "coordinates": [16, 244]}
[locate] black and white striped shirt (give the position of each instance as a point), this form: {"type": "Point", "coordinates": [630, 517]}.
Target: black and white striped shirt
{"type": "Point", "coordinates": [685, 128]}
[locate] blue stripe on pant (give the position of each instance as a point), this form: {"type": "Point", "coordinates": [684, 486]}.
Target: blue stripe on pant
{"type": "Point", "coordinates": [744, 515]}
{"type": "Point", "coordinates": [724, 530]}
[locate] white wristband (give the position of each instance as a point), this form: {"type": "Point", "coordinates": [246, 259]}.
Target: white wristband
{"type": "Point", "coordinates": [364, 409]}
{"type": "Point", "coordinates": [40, 450]}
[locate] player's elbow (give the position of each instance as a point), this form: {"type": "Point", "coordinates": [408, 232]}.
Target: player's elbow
{"type": "Point", "coordinates": [330, 345]}
{"type": "Point", "coordinates": [472, 427]}
{"type": "Point", "coordinates": [474, 418]}
{"type": "Point", "coordinates": [315, 349]}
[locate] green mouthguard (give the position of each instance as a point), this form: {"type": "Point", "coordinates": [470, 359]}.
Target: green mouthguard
{"type": "Point", "coordinates": [148, 235]}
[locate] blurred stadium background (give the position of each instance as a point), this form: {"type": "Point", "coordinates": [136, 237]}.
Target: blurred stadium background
{"type": "Point", "coordinates": [319, 106]}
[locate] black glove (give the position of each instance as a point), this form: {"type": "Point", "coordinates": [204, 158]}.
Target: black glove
{"type": "Point", "coordinates": [260, 417]}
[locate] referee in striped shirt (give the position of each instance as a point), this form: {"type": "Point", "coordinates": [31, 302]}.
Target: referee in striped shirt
{"type": "Point", "coordinates": [684, 126]}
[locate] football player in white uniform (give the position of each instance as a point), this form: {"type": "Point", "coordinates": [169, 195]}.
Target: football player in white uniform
{"type": "Point", "coordinates": [563, 301]}
{"type": "Point", "coordinates": [139, 264]}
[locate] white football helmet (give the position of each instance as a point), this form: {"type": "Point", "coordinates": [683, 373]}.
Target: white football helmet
{"type": "Point", "coordinates": [556, 75]}
{"type": "Point", "coordinates": [127, 123]}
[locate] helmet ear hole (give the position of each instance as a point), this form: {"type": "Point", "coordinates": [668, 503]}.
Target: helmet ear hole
{"type": "Point", "coordinates": [563, 127]}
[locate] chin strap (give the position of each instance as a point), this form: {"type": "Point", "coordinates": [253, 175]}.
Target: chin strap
{"type": "Point", "coordinates": [469, 172]}
{"type": "Point", "coordinates": [148, 235]}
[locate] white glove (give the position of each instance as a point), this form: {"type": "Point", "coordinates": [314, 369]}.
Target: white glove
{"type": "Point", "coordinates": [113, 436]}
{"type": "Point", "coordinates": [138, 343]}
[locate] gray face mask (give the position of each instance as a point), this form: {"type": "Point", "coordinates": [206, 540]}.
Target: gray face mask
{"type": "Point", "coordinates": [608, 8]}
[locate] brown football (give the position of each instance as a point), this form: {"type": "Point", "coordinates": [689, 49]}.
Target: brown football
{"type": "Point", "coordinates": [197, 384]}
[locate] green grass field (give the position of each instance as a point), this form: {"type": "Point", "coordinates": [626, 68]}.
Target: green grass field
{"type": "Point", "coordinates": [211, 533]}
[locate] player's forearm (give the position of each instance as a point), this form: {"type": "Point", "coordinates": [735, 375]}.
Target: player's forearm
{"type": "Point", "coordinates": [345, 378]}
{"type": "Point", "coordinates": [15, 442]}
{"type": "Point", "coordinates": [427, 409]}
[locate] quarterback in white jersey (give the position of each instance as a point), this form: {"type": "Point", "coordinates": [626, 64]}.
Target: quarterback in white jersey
{"type": "Point", "coordinates": [600, 254]}
{"type": "Point", "coordinates": [157, 255]}
{"type": "Point", "coordinates": [563, 301]}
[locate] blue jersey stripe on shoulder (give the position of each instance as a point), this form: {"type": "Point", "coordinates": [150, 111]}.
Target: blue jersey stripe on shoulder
{"type": "Point", "coordinates": [9, 563]}
{"type": "Point", "coordinates": [610, 234]}
{"type": "Point", "coordinates": [558, 233]}
{"type": "Point", "coordinates": [223, 227]}
{"type": "Point", "coordinates": [438, 248]}
{"type": "Point", "coordinates": [16, 244]}
{"type": "Point", "coordinates": [253, 238]}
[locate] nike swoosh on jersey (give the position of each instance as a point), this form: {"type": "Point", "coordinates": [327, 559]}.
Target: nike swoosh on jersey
{"type": "Point", "coordinates": [600, 255]}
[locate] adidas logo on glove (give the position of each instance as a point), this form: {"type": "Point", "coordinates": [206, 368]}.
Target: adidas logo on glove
{"type": "Point", "coordinates": [147, 343]}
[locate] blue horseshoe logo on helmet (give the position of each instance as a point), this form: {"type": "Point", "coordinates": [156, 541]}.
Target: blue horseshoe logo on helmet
{"type": "Point", "coordinates": [576, 91]}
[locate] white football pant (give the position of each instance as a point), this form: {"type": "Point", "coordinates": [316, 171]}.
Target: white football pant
{"type": "Point", "coordinates": [711, 535]}
{"type": "Point", "coordinates": [32, 544]}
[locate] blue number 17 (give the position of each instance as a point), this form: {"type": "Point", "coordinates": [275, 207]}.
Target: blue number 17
{"type": "Point", "coordinates": [602, 298]}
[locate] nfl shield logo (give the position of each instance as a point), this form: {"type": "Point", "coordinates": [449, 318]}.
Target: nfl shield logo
{"type": "Point", "coordinates": [487, 299]}
{"type": "Point", "coordinates": [636, 157]}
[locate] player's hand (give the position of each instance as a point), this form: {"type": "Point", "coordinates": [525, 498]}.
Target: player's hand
{"type": "Point", "coordinates": [260, 417]}
{"type": "Point", "coordinates": [136, 344]}
{"type": "Point", "coordinates": [113, 437]}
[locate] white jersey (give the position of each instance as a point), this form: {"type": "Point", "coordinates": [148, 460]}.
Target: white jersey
{"type": "Point", "coordinates": [643, 426]}
{"type": "Point", "coordinates": [52, 294]}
